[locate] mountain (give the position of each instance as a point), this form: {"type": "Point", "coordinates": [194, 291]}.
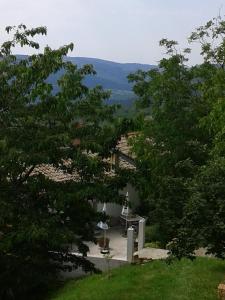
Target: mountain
{"type": "Point", "coordinates": [110, 75]}
{"type": "Point", "coordinates": [113, 76]}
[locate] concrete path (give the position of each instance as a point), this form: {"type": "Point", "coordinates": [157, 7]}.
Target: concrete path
{"type": "Point", "coordinates": [152, 253]}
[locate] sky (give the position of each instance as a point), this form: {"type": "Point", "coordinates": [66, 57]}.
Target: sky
{"type": "Point", "coordinates": [116, 30]}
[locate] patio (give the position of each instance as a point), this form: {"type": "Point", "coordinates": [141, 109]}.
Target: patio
{"type": "Point", "coordinates": [117, 245]}
{"type": "Point", "coordinates": [117, 254]}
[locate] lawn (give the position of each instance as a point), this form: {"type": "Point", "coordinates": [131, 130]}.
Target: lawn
{"type": "Point", "coordinates": [184, 280]}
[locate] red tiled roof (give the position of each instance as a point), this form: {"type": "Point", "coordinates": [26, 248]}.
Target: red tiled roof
{"type": "Point", "coordinates": [58, 175]}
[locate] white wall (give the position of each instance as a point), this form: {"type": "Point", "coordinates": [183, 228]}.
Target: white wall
{"type": "Point", "coordinates": [113, 209]}
{"type": "Point", "coordinates": [133, 195]}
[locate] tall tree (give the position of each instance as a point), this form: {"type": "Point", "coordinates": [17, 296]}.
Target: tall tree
{"type": "Point", "coordinates": [180, 152]}
{"type": "Point", "coordinates": [204, 218]}
{"type": "Point", "coordinates": [171, 145]}
{"type": "Point", "coordinates": [71, 132]}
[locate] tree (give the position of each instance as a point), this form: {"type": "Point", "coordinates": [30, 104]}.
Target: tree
{"type": "Point", "coordinates": [204, 218]}
{"type": "Point", "coordinates": [180, 152]}
{"type": "Point", "coordinates": [171, 145]}
{"type": "Point", "coordinates": [203, 222]}
{"type": "Point", "coordinates": [71, 131]}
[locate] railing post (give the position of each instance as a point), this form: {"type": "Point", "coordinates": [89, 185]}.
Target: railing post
{"type": "Point", "coordinates": [130, 244]}
{"type": "Point", "coordinates": [141, 234]}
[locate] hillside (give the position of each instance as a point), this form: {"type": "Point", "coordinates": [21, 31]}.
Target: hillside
{"type": "Point", "coordinates": [184, 280]}
{"type": "Point", "coordinates": [113, 76]}
{"type": "Point", "coordinates": [110, 75]}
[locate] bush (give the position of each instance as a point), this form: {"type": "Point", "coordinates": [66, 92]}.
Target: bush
{"type": "Point", "coordinates": [152, 233]}
{"type": "Point", "coordinates": [156, 245]}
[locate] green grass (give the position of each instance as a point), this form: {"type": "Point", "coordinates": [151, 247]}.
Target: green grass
{"type": "Point", "coordinates": [184, 280]}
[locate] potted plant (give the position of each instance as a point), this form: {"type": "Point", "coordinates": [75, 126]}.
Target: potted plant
{"type": "Point", "coordinates": [103, 242]}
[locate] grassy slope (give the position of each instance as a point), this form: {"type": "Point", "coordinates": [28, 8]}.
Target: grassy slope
{"type": "Point", "coordinates": [154, 281]}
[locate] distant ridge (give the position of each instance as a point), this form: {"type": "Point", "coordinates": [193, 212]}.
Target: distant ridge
{"type": "Point", "coordinates": [110, 75]}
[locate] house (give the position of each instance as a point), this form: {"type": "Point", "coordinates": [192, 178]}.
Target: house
{"type": "Point", "coordinates": [121, 157]}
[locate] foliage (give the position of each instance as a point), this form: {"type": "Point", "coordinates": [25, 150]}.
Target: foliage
{"type": "Point", "coordinates": [152, 233]}
{"type": "Point", "coordinates": [182, 280]}
{"type": "Point", "coordinates": [204, 222]}
{"type": "Point", "coordinates": [180, 152]}
{"type": "Point", "coordinates": [156, 245]}
{"type": "Point", "coordinates": [41, 216]}
{"type": "Point", "coordinates": [171, 145]}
